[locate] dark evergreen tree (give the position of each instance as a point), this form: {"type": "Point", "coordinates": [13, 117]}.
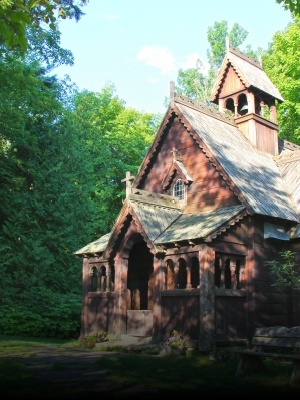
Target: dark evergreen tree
{"type": "Point", "coordinates": [44, 206]}
{"type": "Point", "coordinates": [62, 157]}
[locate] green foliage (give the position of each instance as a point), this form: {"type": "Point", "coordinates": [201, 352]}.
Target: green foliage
{"type": "Point", "coordinates": [176, 341]}
{"type": "Point", "coordinates": [37, 162]}
{"type": "Point", "coordinates": [285, 272]}
{"type": "Point", "coordinates": [197, 83]}
{"type": "Point", "coordinates": [18, 15]}
{"type": "Point", "coordinates": [44, 208]}
{"type": "Point", "coordinates": [41, 313]}
{"type": "Point", "coordinates": [89, 341]}
{"type": "Point", "coordinates": [45, 46]}
{"type": "Point", "coordinates": [281, 63]}
{"type": "Point", "coordinates": [98, 337]}
{"type": "Point", "coordinates": [292, 5]}
{"type": "Point", "coordinates": [114, 140]}
{"type": "Point", "coordinates": [60, 184]}
{"type": "Point", "coordinates": [216, 36]}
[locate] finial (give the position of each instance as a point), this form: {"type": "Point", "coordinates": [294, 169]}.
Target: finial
{"type": "Point", "coordinates": [227, 43]}
{"type": "Point", "coordinates": [172, 92]}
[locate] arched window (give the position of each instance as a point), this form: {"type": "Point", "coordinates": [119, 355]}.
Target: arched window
{"type": "Point", "coordinates": [103, 277]}
{"type": "Point", "coordinates": [229, 106]}
{"type": "Point", "coordinates": [237, 273]}
{"type": "Point", "coordinates": [258, 103]}
{"type": "Point", "coordinates": [170, 276]}
{"type": "Point", "coordinates": [227, 273]}
{"type": "Point", "coordinates": [217, 272]}
{"type": "Point", "coordinates": [178, 189]}
{"type": "Point", "coordinates": [195, 272]}
{"type": "Point", "coordinates": [243, 105]}
{"type": "Point", "coordinates": [182, 274]}
{"type": "Point", "coordinates": [94, 279]}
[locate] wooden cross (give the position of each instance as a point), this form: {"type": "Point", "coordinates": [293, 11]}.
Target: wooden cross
{"type": "Point", "coordinates": [128, 183]}
{"type": "Point", "coordinates": [174, 152]}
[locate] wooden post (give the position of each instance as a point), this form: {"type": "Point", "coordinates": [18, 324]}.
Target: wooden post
{"type": "Point", "coordinates": [233, 274]}
{"type": "Point", "coordinates": [158, 284]}
{"type": "Point", "coordinates": [176, 270]}
{"type": "Point", "coordinates": [207, 299]}
{"type": "Point", "coordinates": [188, 270]}
{"type": "Point", "coordinates": [98, 281]}
{"type": "Point", "coordinates": [108, 278]}
{"type": "Point", "coordinates": [222, 268]}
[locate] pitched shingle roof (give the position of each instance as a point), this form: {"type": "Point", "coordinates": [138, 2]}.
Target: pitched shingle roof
{"type": "Point", "coordinates": [254, 172]}
{"type": "Point", "coordinates": [98, 246]}
{"type": "Point", "coordinates": [154, 218]}
{"type": "Point", "coordinates": [164, 225]}
{"type": "Point", "coordinates": [289, 165]}
{"type": "Point", "coordinates": [201, 225]}
{"type": "Point", "coordinates": [249, 71]}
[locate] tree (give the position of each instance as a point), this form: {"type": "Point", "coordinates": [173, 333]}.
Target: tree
{"type": "Point", "coordinates": [281, 63]}
{"type": "Point", "coordinates": [44, 46]}
{"type": "Point", "coordinates": [60, 182]}
{"type": "Point", "coordinates": [44, 206]}
{"type": "Point", "coordinates": [216, 36]}
{"type": "Point", "coordinates": [291, 5]}
{"type": "Point", "coordinates": [285, 271]}
{"type": "Point", "coordinates": [107, 129]}
{"type": "Point", "coordinates": [60, 177]}
{"type": "Point", "coordinates": [17, 15]}
{"type": "Point", "coordinates": [197, 83]}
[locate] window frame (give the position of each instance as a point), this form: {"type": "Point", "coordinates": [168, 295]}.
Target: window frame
{"type": "Point", "coordinates": [181, 190]}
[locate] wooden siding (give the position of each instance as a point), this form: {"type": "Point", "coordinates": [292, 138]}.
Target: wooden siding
{"type": "Point", "coordinates": [180, 311]}
{"type": "Point", "coordinates": [208, 189]}
{"type": "Point", "coordinates": [272, 305]}
{"type": "Point", "coordinates": [139, 322]}
{"type": "Point", "coordinates": [233, 84]}
{"type": "Point", "coordinates": [261, 132]}
{"type": "Point", "coordinates": [100, 312]}
{"type": "Point", "coordinates": [230, 318]}
{"type": "Point", "coordinates": [266, 138]}
{"type": "Point", "coordinates": [237, 237]}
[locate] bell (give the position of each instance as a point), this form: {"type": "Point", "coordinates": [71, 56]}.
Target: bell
{"type": "Point", "coordinates": [244, 108]}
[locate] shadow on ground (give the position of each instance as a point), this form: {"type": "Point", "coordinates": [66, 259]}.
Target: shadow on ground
{"type": "Point", "coordinates": [67, 373]}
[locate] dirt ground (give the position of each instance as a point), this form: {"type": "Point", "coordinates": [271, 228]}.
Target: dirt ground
{"type": "Point", "coordinates": [71, 373]}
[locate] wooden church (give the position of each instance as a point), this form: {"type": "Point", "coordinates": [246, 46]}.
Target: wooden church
{"type": "Point", "coordinates": [216, 196]}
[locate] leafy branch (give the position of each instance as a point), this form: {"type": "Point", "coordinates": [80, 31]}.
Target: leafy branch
{"type": "Point", "coordinates": [285, 272]}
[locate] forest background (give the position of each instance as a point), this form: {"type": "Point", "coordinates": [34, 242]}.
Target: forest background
{"type": "Point", "coordinates": [64, 152]}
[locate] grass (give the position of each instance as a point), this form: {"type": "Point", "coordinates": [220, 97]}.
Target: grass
{"type": "Point", "coordinates": [191, 374]}
{"type": "Point", "coordinates": [16, 380]}
{"type": "Point", "coordinates": [164, 376]}
{"type": "Point", "coordinates": [10, 345]}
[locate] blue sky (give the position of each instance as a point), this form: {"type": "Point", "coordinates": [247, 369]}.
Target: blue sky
{"type": "Point", "coordinates": [139, 46]}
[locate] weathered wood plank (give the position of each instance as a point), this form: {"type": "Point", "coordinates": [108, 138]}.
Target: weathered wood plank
{"type": "Point", "coordinates": [277, 342]}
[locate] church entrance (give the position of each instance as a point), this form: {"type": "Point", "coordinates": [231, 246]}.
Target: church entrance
{"type": "Point", "coordinates": [140, 289]}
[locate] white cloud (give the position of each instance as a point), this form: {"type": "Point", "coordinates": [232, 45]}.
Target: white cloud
{"type": "Point", "coordinates": [163, 59]}
{"type": "Point", "coordinates": [158, 57]}
{"type": "Point", "coordinates": [190, 61]}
